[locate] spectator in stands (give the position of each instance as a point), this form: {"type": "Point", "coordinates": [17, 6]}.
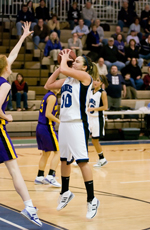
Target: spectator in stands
{"type": "Point", "coordinates": [130, 90]}
{"type": "Point", "coordinates": [133, 35]}
{"type": "Point", "coordinates": [53, 47]}
{"type": "Point", "coordinates": [93, 43]}
{"type": "Point", "coordinates": [30, 7]}
{"type": "Point", "coordinates": [41, 33]}
{"type": "Point", "coordinates": [75, 44]}
{"type": "Point", "coordinates": [110, 55]}
{"type": "Point", "coordinates": [145, 48]}
{"type": "Point", "coordinates": [19, 92]}
{"type": "Point", "coordinates": [125, 16]}
{"type": "Point", "coordinates": [145, 14]}
{"type": "Point", "coordinates": [73, 15]}
{"type": "Point", "coordinates": [42, 12]}
{"type": "Point", "coordinates": [120, 46]}
{"type": "Point", "coordinates": [54, 25]}
{"type": "Point", "coordinates": [102, 69]}
{"type": "Point", "coordinates": [118, 31]}
{"type": "Point", "coordinates": [147, 28]}
{"type": "Point", "coordinates": [24, 16]}
{"type": "Point", "coordinates": [136, 27]}
{"type": "Point", "coordinates": [100, 32]}
{"type": "Point", "coordinates": [133, 51]}
{"type": "Point", "coordinates": [116, 82]}
{"type": "Point", "coordinates": [136, 75]}
{"type": "Point", "coordinates": [82, 31]}
{"type": "Point", "coordinates": [146, 79]}
{"type": "Point", "coordinates": [89, 14]}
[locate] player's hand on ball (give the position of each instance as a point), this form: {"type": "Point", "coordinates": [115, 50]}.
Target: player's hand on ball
{"type": "Point", "coordinates": [65, 55]}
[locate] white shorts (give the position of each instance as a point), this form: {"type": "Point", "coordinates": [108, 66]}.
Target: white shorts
{"type": "Point", "coordinates": [73, 142]}
{"type": "Point", "coordinates": [96, 125]}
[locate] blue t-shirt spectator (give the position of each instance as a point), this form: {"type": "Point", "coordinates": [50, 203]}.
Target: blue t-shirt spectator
{"type": "Point", "coordinates": [119, 45]}
{"type": "Point", "coordinates": [115, 85]}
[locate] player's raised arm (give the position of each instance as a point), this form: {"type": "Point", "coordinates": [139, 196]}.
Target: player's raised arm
{"type": "Point", "coordinates": [52, 83]}
{"type": "Point", "coordinates": [14, 53]}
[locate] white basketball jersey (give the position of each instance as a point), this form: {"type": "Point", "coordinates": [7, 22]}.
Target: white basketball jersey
{"type": "Point", "coordinates": [74, 100]}
{"type": "Point", "coordinates": [96, 101]}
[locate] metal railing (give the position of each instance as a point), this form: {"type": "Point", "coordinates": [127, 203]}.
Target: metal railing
{"type": "Point", "coordinates": [107, 10]}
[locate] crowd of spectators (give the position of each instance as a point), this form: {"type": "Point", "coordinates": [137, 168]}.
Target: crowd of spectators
{"type": "Point", "coordinates": [121, 52]}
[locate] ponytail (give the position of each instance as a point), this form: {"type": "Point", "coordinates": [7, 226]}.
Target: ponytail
{"type": "Point", "coordinates": [91, 67]}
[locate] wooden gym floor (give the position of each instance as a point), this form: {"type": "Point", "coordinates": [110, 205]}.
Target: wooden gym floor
{"type": "Point", "coordinates": [122, 186]}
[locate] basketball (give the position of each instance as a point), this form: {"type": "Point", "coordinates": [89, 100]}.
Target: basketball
{"type": "Point", "coordinates": [72, 55]}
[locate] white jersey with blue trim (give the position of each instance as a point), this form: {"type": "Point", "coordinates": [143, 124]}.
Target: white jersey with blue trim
{"type": "Point", "coordinates": [74, 100]}
{"type": "Point", "coordinates": [96, 101]}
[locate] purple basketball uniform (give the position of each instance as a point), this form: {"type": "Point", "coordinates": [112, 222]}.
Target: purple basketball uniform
{"type": "Point", "coordinates": [46, 136]}
{"type": "Point", "coordinates": [7, 151]}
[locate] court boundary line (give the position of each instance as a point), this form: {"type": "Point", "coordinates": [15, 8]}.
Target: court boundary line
{"type": "Point", "coordinates": [44, 221]}
{"type": "Point", "coordinates": [13, 224]}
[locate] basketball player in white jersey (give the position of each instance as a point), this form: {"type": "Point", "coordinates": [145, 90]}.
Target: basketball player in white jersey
{"type": "Point", "coordinates": [73, 128]}
{"type": "Point", "coordinates": [97, 104]}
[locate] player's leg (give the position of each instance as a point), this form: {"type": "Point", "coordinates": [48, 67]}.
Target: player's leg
{"type": "Point", "coordinates": [42, 164]}
{"type": "Point", "coordinates": [65, 195]}
{"type": "Point", "coordinates": [50, 178]}
{"type": "Point", "coordinates": [102, 160]}
{"type": "Point", "coordinates": [92, 202]}
{"type": "Point", "coordinates": [30, 211]}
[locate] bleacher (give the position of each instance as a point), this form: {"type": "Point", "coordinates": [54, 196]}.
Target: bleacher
{"type": "Point", "coordinates": [32, 65]}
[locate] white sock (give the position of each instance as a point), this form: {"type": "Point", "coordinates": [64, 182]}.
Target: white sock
{"type": "Point", "coordinates": [28, 203]}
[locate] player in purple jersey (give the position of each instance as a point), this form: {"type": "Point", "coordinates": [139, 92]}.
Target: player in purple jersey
{"type": "Point", "coordinates": [73, 128]}
{"type": "Point", "coordinates": [7, 151]}
{"type": "Point", "coordinates": [47, 138]}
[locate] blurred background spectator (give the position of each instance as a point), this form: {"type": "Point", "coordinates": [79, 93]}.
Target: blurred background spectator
{"type": "Point", "coordinates": [145, 48]}
{"type": "Point", "coordinates": [75, 44]}
{"type": "Point", "coordinates": [146, 79]}
{"type": "Point", "coordinates": [24, 16]}
{"type": "Point", "coordinates": [41, 33]}
{"type": "Point", "coordinates": [147, 27]}
{"type": "Point", "coordinates": [100, 32]}
{"type": "Point", "coordinates": [116, 83]}
{"type": "Point", "coordinates": [110, 55]}
{"type": "Point", "coordinates": [130, 90]}
{"type": "Point", "coordinates": [89, 14]}
{"type": "Point", "coordinates": [102, 68]}
{"type": "Point", "coordinates": [42, 12]}
{"type": "Point", "coordinates": [133, 51]}
{"type": "Point", "coordinates": [30, 7]}
{"type": "Point", "coordinates": [133, 35]}
{"type": "Point", "coordinates": [82, 31]}
{"type": "Point", "coordinates": [120, 46]}
{"type": "Point", "coordinates": [54, 25]}
{"type": "Point", "coordinates": [118, 31]}
{"type": "Point", "coordinates": [93, 43]}
{"type": "Point", "coordinates": [135, 72]}
{"type": "Point", "coordinates": [19, 92]}
{"type": "Point", "coordinates": [125, 16]}
{"type": "Point", "coordinates": [136, 27]}
{"type": "Point", "coordinates": [145, 14]}
{"type": "Point", "coordinates": [53, 47]}
{"type": "Point", "coordinates": [73, 15]}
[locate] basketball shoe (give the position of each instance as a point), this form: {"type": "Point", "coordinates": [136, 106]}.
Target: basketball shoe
{"type": "Point", "coordinates": [101, 163]}
{"type": "Point", "coordinates": [31, 214]}
{"type": "Point", "coordinates": [64, 199]}
{"type": "Point", "coordinates": [75, 163]}
{"type": "Point", "coordinates": [49, 179]}
{"type": "Point", "coordinates": [39, 180]}
{"type": "Point", "coordinates": [92, 208]}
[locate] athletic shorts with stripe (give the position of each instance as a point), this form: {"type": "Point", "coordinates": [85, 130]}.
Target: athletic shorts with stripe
{"type": "Point", "coordinates": [96, 126]}
{"type": "Point", "coordinates": [7, 151]}
{"type": "Point", "coordinates": [47, 138]}
{"type": "Point", "coordinates": [73, 141]}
